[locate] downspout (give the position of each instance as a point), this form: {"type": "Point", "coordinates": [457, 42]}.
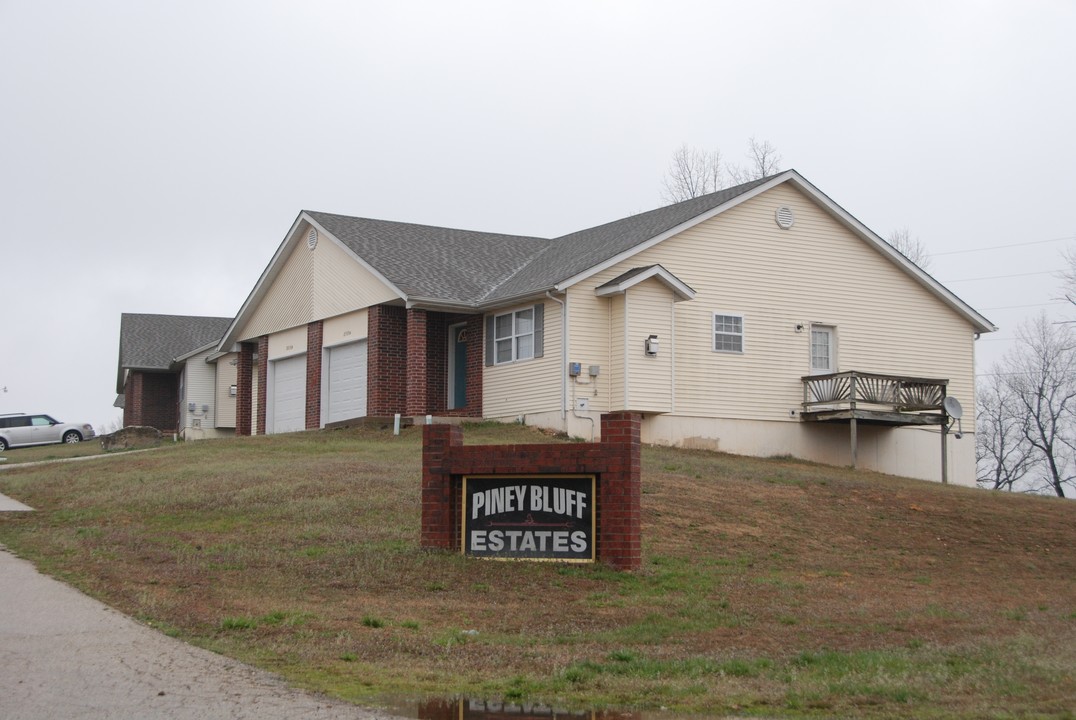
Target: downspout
{"type": "Point", "coordinates": [563, 356]}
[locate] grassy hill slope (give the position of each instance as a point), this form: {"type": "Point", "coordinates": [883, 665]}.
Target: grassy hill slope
{"type": "Point", "coordinates": [770, 587]}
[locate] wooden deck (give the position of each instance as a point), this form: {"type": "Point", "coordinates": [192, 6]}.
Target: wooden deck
{"type": "Point", "coordinates": [854, 397]}
{"type": "Point", "coordinates": [872, 398]}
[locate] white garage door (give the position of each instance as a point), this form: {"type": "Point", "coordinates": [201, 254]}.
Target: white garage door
{"type": "Point", "coordinates": [288, 406]}
{"type": "Point", "coordinates": [347, 382]}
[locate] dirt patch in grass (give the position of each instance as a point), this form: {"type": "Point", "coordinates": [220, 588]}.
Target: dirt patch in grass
{"type": "Point", "coordinates": [769, 586]}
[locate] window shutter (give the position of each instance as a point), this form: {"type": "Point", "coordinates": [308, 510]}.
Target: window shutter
{"type": "Point", "coordinates": [539, 330]}
{"type": "Point", "coordinates": [489, 340]}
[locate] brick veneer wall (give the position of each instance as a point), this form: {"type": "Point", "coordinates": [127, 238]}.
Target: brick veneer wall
{"type": "Point", "coordinates": [244, 388]}
{"type": "Point", "coordinates": [386, 378]}
{"type": "Point", "coordinates": [151, 399]}
{"type": "Point", "coordinates": [476, 364]}
{"type": "Point", "coordinates": [263, 381]}
{"type": "Point", "coordinates": [407, 362]}
{"type": "Point", "coordinates": [314, 335]}
{"type": "Point", "coordinates": [437, 350]}
{"type": "Point", "coordinates": [417, 359]}
{"type": "Point", "coordinates": [615, 461]}
{"type": "Point", "coordinates": [132, 399]}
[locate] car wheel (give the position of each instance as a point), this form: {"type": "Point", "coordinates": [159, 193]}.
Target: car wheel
{"type": "Point", "coordinates": [72, 436]}
{"type": "Point", "coordinates": [3, 444]}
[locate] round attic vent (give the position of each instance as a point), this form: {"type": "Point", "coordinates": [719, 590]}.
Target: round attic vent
{"type": "Point", "coordinates": [785, 218]}
{"type": "Point", "coordinates": [312, 239]}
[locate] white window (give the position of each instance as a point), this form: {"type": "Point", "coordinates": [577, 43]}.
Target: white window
{"type": "Point", "coordinates": [514, 336]}
{"type": "Point", "coordinates": [728, 333]}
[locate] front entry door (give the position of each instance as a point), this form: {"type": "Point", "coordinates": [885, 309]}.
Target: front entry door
{"type": "Point", "coordinates": [457, 367]}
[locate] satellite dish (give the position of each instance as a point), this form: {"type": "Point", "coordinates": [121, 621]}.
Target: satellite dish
{"type": "Point", "coordinates": [952, 408]}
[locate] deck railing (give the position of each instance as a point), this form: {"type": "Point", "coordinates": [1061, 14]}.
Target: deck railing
{"type": "Point", "coordinates": [847, 390]}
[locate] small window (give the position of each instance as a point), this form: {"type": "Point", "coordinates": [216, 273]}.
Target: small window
{"type": "Point", "coordinates": [40, 420]}
{"type": "Point", "coordinates": [514, 336]}
{"type": "Point", "coordinates": [728, 333]}
{"type": "Point", "coordinates": [823, 349]}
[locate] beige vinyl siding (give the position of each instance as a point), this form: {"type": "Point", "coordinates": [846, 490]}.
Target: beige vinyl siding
{"type": "Point", "coordinates": [200, 385]}
{"type": "Point", "coordinates": [227, 375]}
{"type": "Point", "coordinates": [617, 332]}
{"type": "Point", "coordinates": [816, 272]}
{"type": "Point", "coordinates": [345, 328]}
{"type": "Point", "coordinates": [527, 386]}
{"type": "Point", "coordinates": [342, 284]}
{"type": "Point", "coordinates": [585, 310]}
{"type": "Point", "coordinates": [649, 387]}
{"type": "Point", "coordinates": [314, 285]}
{"type": "Point", "coordinates": [287, 343]}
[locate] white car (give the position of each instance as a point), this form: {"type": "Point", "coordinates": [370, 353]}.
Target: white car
{"type": "Point", "coordinates": [18, 430]}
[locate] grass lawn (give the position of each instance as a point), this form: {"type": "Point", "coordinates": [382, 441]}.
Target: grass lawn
{"type": "Point", "coordinates": [37, 453]}
{"type": "Point", "coordinates": [769, 587]}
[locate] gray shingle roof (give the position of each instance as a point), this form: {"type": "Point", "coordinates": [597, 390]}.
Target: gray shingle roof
{"type": "Point", "coordinates": [433, 262]}
{"type": "Point", "coordinates": [572, 254]}
{"type": "Point", "coordinates": [152, 342]}
{"type": "Point", "coordinates": [476, 268]}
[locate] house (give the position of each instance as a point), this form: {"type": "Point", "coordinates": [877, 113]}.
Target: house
{"type": "Point", "coordinates": [170, 376]}
{"type": "Point", "coordinates": [763, 319]}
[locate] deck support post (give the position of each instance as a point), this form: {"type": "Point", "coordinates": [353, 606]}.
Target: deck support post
{"type": "Point", "coordinates": [945, 450]}
{"type": "Point", "coordinates": [855, 442]}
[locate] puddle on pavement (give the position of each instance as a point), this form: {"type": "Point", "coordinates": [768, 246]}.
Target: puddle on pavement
{"type": "Point", "coordinates": [468, 709]}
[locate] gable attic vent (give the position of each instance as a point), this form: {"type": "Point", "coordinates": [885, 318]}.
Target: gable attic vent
{"type": "Point", "coordinates": [785, 217]}
{"type": "Point", "coordinates": [312, 239]}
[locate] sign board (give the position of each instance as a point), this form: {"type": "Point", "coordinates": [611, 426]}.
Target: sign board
{"type": "Point", "coordinates": [529, 517]}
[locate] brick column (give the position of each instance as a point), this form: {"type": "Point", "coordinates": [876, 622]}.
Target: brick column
{"type": "Point", "coordinates": [314, 335]}
{"type": "Point", "coordinates": [620, 494]}
{"type": "Point", "coordinates": [417, 395]}
{"type": "Point", "coordinates": [132, 399]}
{"type": "Point", "coordinates": [244, 385]}
{"type": "Point", "coordinates": [476, 362]}
{"type": "Point", "coordinates": [439, 504]}
{"type": "Point", "coordinates": [386, 377]}
{"type": "Point", "coordinates": [263, 380]}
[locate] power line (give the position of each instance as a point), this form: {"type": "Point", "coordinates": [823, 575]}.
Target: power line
{"type": "Point", "coordinates": [1015, 307]}
{"type": "Point", "coordinates": [1001, 247]}
{"type": "Point", "coordinates": [1001, 277]}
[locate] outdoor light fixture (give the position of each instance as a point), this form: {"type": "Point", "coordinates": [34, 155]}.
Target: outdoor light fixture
{"type": "Point", "coordinates": [652, 346]}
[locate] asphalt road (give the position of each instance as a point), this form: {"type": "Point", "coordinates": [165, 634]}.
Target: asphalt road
{"type": "Point", "coordinates": [65, 655]}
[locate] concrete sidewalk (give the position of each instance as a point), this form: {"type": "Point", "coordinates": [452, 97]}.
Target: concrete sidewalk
{"type": "Point", "coordinates": [9, 505]}
{"type": "Point", "coordinates": [65, 655]}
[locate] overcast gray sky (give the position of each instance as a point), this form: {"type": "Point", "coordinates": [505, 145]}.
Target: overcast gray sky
{"type": "Point", "coordinates": [154, 154]}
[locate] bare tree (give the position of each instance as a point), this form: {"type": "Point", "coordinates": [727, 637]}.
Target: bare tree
{"type": "Point", "coordinates": [762, 161]}
{"type": "Point", "coordinates": [692, 172]}
{"type": "Point", "coordinates": [1041, 374]}
{"type": "Point", "coordinates": [909, 247]}
{"type": "Point", "coordinates": [1003, 455]}
{"type": "Point", "coordinates": [1068, 275]}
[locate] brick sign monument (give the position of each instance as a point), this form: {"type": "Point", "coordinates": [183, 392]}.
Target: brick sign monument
{"type": "Point", "coordinates": [575, 502]}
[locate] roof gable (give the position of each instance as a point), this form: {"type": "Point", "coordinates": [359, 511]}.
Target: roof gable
{"type": "Point", "coordinates": [622, 283]}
